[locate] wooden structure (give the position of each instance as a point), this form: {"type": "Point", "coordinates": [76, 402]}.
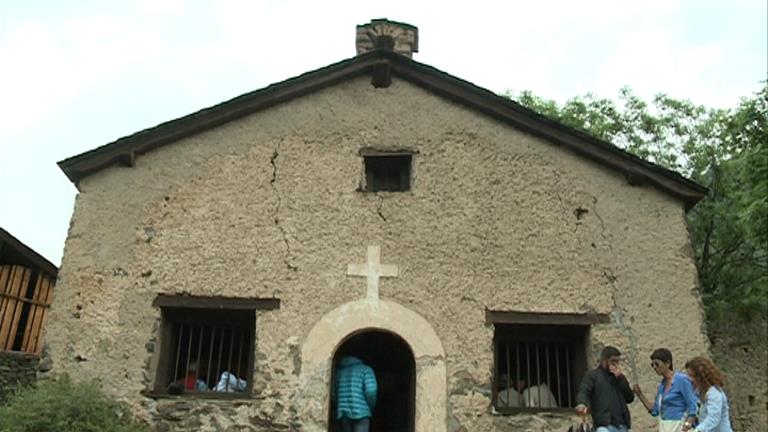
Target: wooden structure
{"type": "Point", "coordinates": [26, 291]}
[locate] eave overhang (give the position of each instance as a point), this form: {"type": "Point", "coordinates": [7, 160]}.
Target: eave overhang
{"type": "Point", "coordinates": [10, 245]}
{"type": "Point", "coordinates": [381, 65]}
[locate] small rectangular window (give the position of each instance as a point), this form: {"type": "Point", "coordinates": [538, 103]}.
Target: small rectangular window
{"type": "Point", "coordinates": [537, 366]}
{"type": "Point", "coordinates": [388, 172]}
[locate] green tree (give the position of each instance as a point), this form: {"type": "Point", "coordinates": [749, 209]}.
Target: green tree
{"type": "Point", "coordinates": [725, 150]}
{"type": "Point", "coordinates": [63, 406]}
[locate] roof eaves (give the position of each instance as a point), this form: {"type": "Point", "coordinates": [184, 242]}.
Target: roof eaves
{"type": "Point", "coordinates": [9, 241]}
{"type": "Point", "coordinates": [126, 148]}
{"type": "Point", "coordinates": [505, 109]}
{"type": "Point", "coordinates": [636, 169]}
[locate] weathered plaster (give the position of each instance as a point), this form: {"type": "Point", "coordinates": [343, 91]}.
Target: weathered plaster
{"type": "Point", "coordinates": [268, 206]}
{"type": "Point", "coordinates": [740, 349]}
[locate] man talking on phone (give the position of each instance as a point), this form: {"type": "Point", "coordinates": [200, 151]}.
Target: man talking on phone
{"type": "Point", "coordinates": [605, 392]}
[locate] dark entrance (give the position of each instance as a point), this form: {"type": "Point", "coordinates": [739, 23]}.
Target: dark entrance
{"type": "Point", "coordinates": [391, 359]}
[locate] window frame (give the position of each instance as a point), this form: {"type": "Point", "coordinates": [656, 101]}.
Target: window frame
{"type": "Point", "coordinates": [405, 178]}
{"type": "Point", "coordinates": [175, 311]}
{"type": "Point", "coordinates": [534, 326]}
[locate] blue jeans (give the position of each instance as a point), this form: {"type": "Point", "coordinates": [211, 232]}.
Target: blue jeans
{"type": "Point", "coordinates": [360, 425]}
{"type": "Point", "coordinates": [611, 429]}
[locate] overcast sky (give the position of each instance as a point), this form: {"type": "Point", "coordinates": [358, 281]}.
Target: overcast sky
{"type": "Point", "coordinates": [78, 74]}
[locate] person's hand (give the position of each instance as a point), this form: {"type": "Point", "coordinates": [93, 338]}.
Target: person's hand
{"type": "Point", "coordinates": [615, 370]}
{"type": "Point", "coordinates": [581, 410]}
{"type": "Point", "coordinates": [637, 390]}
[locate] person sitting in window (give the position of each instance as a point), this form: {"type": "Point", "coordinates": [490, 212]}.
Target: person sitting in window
{"type": "Point", "coordinates": [538, 396]}
{"type": "Point", "coordinates": [519, 394]}
{"type": "Point", "coordinates": [509, 395]}
{"type": "Point", "coordinates": [190, 382]}
{"type": "Point", "coordinates": [230, 382]}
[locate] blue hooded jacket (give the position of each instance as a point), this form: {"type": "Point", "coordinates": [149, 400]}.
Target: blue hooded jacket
{"type": "Point", "coordinates": [355, 389]}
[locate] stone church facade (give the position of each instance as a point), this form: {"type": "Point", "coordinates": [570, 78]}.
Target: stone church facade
{"type": "Point", "coordinates": [378, 207]}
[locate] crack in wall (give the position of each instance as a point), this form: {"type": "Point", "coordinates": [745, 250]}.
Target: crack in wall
{"type": "Point", "coordinates": [617, 313]}
{"type": "Point", "coordinates": [378, 209]}
{"type": "Point", "coordinates": [602, 223]}
{"type": "Point", "coordinates": [330, 109]}
{"type": "Point", "coordinates": [276, 214]}
{"type": "Point", "coordinates": [617, 317]}
{"type": "Point", "coordinates": [564, 211]}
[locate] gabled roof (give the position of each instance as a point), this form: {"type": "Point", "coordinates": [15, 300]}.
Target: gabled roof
{"type": "Point", "coordinates": [381, 65]}
{"type": "Point", "coordinates": [13, 251]}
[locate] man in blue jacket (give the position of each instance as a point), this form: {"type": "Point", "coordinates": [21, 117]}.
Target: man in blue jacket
{"type": "Point", "coordinates": [355, 393]}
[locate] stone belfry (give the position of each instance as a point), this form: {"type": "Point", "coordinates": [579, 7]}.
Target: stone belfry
{"type": "Point", "coordinates": [381, 33]}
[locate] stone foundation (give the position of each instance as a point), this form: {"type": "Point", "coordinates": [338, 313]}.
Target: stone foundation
{"type": "Point", "coordinates": [179, 414]}
{"type": "Point", "coordinates": [17, 369]}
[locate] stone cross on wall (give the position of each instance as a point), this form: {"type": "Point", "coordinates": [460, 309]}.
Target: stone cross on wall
{"type": "Point", "coordinates": [373, 270]}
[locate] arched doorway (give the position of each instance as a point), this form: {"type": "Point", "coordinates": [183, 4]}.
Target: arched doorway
{"type": "Point", "coordinates": [392, 361]}
{"type": "Point", "coordinates": [335, 327]}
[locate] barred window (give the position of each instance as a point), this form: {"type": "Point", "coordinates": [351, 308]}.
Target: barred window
{"type": "Point", "coordinates": [207, 346]}
{"type": "Point", "coordinates": [538, 365]}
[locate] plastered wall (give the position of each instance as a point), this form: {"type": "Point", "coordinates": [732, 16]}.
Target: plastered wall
{"type": "Point", "coordinates": [269, 206]}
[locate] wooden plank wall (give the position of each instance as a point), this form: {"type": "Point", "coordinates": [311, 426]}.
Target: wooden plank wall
{"type": "Point", "coordinates": [23, 311]}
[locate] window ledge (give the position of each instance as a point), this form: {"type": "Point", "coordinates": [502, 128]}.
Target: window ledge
{"type": "Point", "coordinates": [361, 189]}
{"type": "Point", "coordinates": [555, 412]}
{"type": "Point", "coordinates": [246, 396]}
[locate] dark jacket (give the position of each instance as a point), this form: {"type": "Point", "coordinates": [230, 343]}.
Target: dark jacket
{"type": "Point", "coordinates": [599, 389]}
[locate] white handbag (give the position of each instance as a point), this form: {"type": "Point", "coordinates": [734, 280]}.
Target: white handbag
{"type": "Point", "coordinates": [670, 425]}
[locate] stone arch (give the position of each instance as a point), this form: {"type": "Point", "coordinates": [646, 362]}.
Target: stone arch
{"type": "Point", "coordinates": [373, 314]}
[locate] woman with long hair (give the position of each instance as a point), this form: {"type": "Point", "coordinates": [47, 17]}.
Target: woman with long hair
{"type": "Point", "coordinates": [675, 401]}
{"type": "Point", "coordinates": [714, 415]}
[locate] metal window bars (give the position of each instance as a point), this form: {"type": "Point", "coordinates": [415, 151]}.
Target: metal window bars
{"type": "Point", "coordinates": [534, 374]}
{"type": "Point", "coordinates": [210, 358]}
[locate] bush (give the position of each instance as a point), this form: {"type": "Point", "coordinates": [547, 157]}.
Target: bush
{"type": "Point", "coordinates": [61, 405]}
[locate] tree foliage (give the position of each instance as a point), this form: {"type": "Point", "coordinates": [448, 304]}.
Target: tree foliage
{"type": "Point", "coordinates": [63, 406]}
{"type": "Point", "coordinates": [725, 150]}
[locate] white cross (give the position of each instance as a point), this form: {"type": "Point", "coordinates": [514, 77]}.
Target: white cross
{"type": "Point", "coordinates": [373, 270]}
